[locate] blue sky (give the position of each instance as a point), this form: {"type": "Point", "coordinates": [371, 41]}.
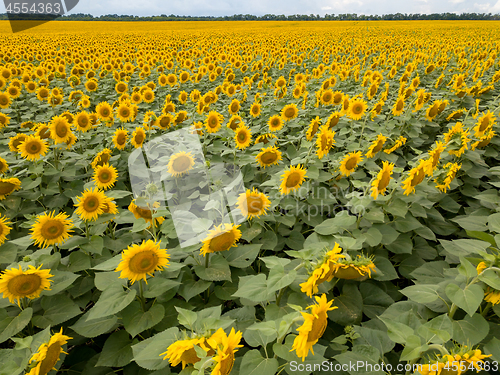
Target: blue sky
{"type": "Point", "coordinates": [287, 7]}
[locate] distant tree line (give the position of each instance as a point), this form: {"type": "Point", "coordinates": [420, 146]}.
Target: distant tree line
{"type": "Point", "coordinates": [282, 17]}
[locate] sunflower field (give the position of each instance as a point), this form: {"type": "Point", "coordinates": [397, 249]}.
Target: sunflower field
{"type": "Point", "coordinates": [370, 239]}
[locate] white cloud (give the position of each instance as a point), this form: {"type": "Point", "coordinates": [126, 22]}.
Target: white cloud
{"type": "Point", "coordinates": [495, 8]}
{"type": "Point", "coordinates": [456, 1]}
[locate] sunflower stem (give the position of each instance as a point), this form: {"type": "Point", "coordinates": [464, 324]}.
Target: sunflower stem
{"type": "Point", "coordinates": [86, 229]}
{"type": "Point", "coordinates": [207, 257]}
{"type": "Point", "coordinates": [278, 299]}
{"type": "Point", "coordinates": [486, 309]}
{"type": "Point", "coordinates": [141, 295]}
{"type": "Point", "coordinates": [363, 129]}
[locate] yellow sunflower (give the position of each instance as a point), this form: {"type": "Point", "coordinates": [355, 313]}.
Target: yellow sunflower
{"type": "Point", "coordinates": [48, 354]}
{"type": "Point", "coordinates": [5, 100]}
{"type": "Point", "coordinates": [224, 360]}
{"type": "Point", "coordinates": [313, 128]}
{"type": "Point", "coordinates": [60, 130]}
{"type": "Point", "coordinates": [275, 123]}
{"type": "Point", "coordinates": [101, 158]}
{"type": "Point", "coordinates": [4, 229]}
{"type": "Point", "coordinates": [165, 121]}
{"type": "Point", "coordinates": [434, 156]}
{"type": "Point", "coordinates": [253, 203]}
{"type": "Point", "coordinates": [180, 163]}
{"type": "Point", "coordinates": [138, 137]}
{"type": "Point", "coordinates": [325, 141]}
{"type": "Point", "coordinates": [124, 112]}
{"type": "Point", "coordinates": [399, 106]}
{"type": "Point", "coordinates": [51, 230]}
{"type": "Point", "coordinates": [264, 138]}
{"type": "Point", "coordinates": [338, 98]}
{"type": "Point", "coordinates": [180, 117]}
{"type": "Point", "coordinates": [292, 179]}
{"type": "Point", "coordinates": [376, 146]}
{"type": "Point", "coordinates": [455, 115]}
{"type": "Point", "coordinates": [234, 122]}
{"type": "Point", "coordinates": [399, 142]}
{"type": "Point", "coordinates": [415, 176]}
{"type": "Point", "coordinates": [333, 119]}
{"type": "Point", "coordinates": [120, 138]}
{"type": "Point", "coordinates": [484, 141]}
{"type": "Point", "coordinates": [243, 137]}
{"type": "Point", "coordinates": [268, 156]}
{"type": "Point", "coordinates": [323, 272]}
{"type": "Point", "coordinates": [379, 185]}
{"type": "Point", "coordinates": [345, 105]}
{"type": "Point", "coordinates": [458, 362]}
{"type": "Point", "coordinates": [105, 176]}
{"type": "Point", "coordinates": [234, 107]}
{"type": "Point", "coordinates": [221, 238]}
{"type": "Point", "coordinates": [15, 141]}
{"type": "Point", "coordinates": [145, 213]}
{"type": "Point", "coordinates": [444, 184]}
{"type": "Point", "coordinates": [326, 97]}
{"type": "Point", "coordinates": [90, 204]}
{"type": "Point", "coordinates": [255, 109]}
{"type": "Point", "coordinates": [213, 121]}
{"type": "Point", "coordinates": [32, 147]}
{"type": "Point", "coordinates": [350, 163]}
{"type": "Point", "coordinates": [4, 120]}
{"type": "Point", "coordinates": [82, 121]}
{"type": "Point", "coordinates": [148, 96]}
{"type": "Point", "coordinates": [432, 111]}
{"type": "Point", "coordinates": [42, 131]}
{"type": "Point", "coordinates": [4, 166]}
{"type": "Point", "coordinates": [104, 111]}
{"type": "Point", "coordinates": [42, 93]}
{"type": "Point", "coordinates": [492, 296]}
{"type": "Point", "coordinates": [183, 351]}
{"type": "Point", "coordinates": [357, 108]}
{"type": "Point", "coordinates": [359, 268]}
{"type": "Point", "coordinates": [8, 186]}
{"type": "Point", "coordinates": [289, 112]}
{"type": "Point", "coordinates": [121, 87]}
{"type": "Point", "coordinates": [138, 261]}
{"type": "Point", "coordinates": [313, 328]}
{"type": "Point", "coordinates": [484, 123]}
{"type": "Point", "coordinates": [110, 206]}
{"type": "Point", "coordinates": [16, 283]}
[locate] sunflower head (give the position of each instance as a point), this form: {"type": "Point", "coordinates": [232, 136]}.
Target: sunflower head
{"type": "Point", "coordinates": [313, 328]}
{"type": "Point", "coordinates": [221, 238]}
{"type": "Point", "coordinates": [292, 179]}
{"type": "Point", "coordinates": [138, 137]}
{"type": "Point", "coordinates": [253, 203]}
{"type": "Point", "coordinates": [60, 130]}
{"type": "Point", "coordinates": [33, 147]}
{"type": "Point", "coordinates": [48, 354]}
{"type": "Point", "coordinates": [138, 261]}
{"type": "Point", "coordinates": [350, 163]}
{"type": "Point", "coordinates": [180, 163]}
{"type": "Point", "coordinates": [8, 186]}
{"type": "Point", "coordinates": [213, 121]}
{"type": "Point", "coordinates": [120, 138]}
{"type": "Point", "coordinates": [105, 176]}
{"type": "Point", "coordinates": [242, 137]}
{"type": "Point", "coordinates": [16, 284]}
{"type": "Point", "coordinates": [275, 123]}
{"type": "Point", "coordinates": [357, 108]}
{"type": "Point", "coordinates": [379, 185]}
{"type": "Point", "coordinates": [289, 112]}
